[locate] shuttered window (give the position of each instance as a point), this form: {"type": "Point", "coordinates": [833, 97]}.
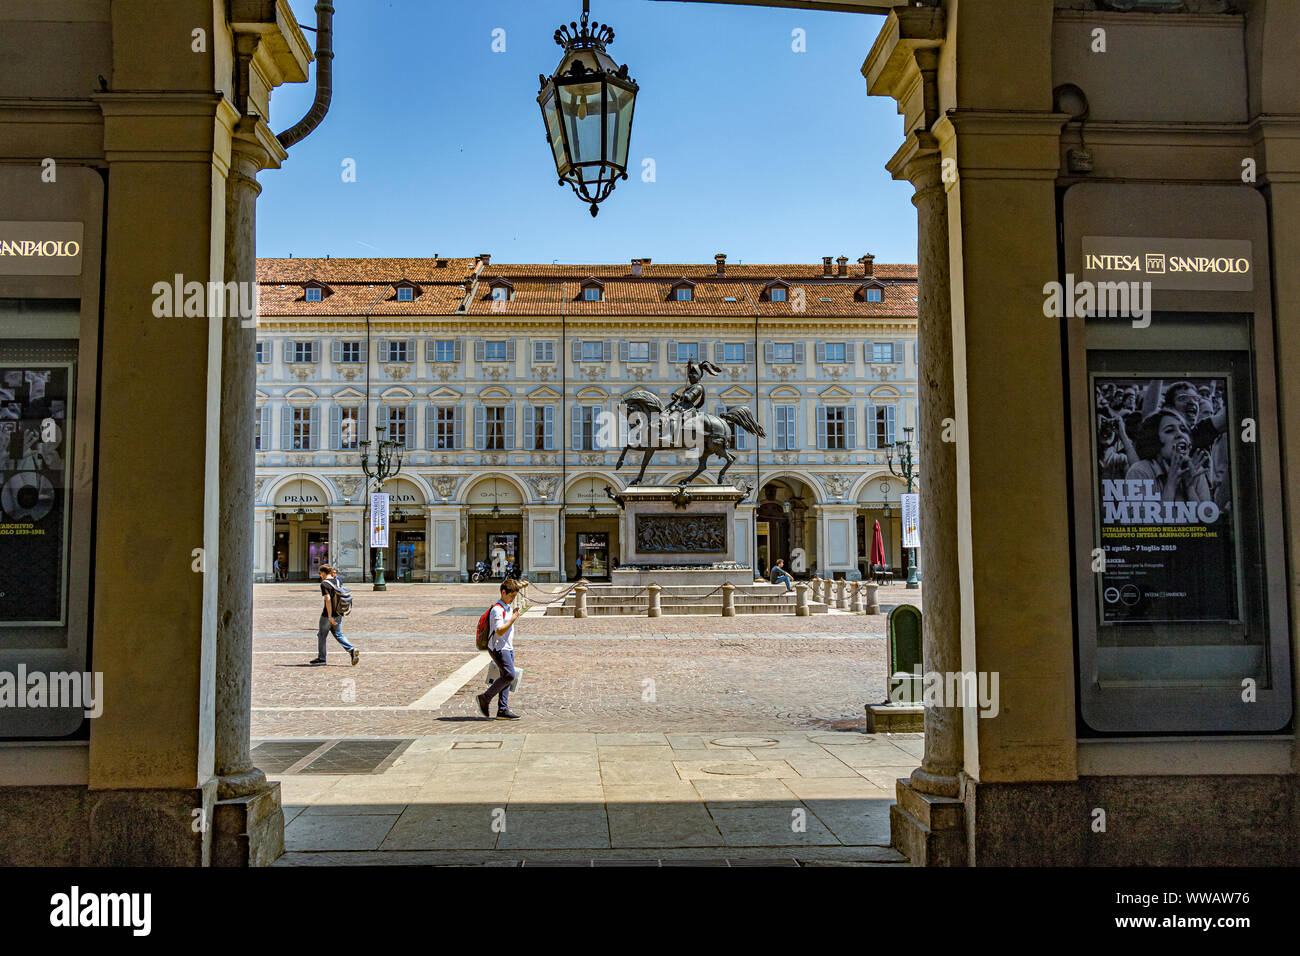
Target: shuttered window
{"type": "Point", "coordinates": [786, 439]}
{"type": "Point", "coordinates": [494, 427]}
{"type": "Point", "coordinates": [443, 428]}
{"type": "Point", "coordinates": [345, 427]}
{"type": "Point", "coordinates": [880, 425]}
{"type": "Point", "coordinates": [780, 353]}
{"type": "Point", "coordinates": [539, 427]}
{"type": "Point", "coordinates": [262, 429]}
{"type": "Point", "coordinates": [543, 350]}
{"type": "Point", "coordinates": [299, 428]}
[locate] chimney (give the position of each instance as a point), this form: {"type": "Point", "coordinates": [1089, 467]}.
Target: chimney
{"type": "Point", "coordinates": [826, 265]}
{"type": "Point", "coordinates": [843, 263]}
{"type": "Point", "coordinates": [486, 258]}
{"type": "Point", "coordinates": [721, 260]}
{"type": "Point", "coordinates": [636, 267]}
{"type": "Point", "coordinates": [867, 261]}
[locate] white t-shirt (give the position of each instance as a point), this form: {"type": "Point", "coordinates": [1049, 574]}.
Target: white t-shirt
{"type": "Point", "coordinates": [499, 642]}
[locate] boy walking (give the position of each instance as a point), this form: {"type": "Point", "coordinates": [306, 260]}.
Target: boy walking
{"type": "Point", "coordinates": [330, 620]}
{"type": "Point", "coordinates": [501, 631]}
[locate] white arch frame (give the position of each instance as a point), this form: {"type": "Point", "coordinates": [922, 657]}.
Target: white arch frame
{"type": "Point", "coordinates": [324, 486]}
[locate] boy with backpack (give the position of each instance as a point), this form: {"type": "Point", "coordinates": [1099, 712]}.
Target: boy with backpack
{"type": "Point", "coordinates": [338, 601]}
{"type": "Point", "coordinates": [496, 631]}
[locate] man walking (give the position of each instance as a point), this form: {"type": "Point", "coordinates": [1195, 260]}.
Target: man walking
{"type": "Point", "coordinates": [330, 621]}
{"type": "Point", "coordinates": [501, 630]}
{"type": "Point", "coordinates": [781, 576]}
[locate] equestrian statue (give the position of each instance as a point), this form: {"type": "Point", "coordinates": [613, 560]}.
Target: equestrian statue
{"type": "Point", "coordinates": [682, 423]}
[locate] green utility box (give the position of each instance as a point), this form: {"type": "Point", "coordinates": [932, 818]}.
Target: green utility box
{"type": "Point", "coordinates": [905, 655]}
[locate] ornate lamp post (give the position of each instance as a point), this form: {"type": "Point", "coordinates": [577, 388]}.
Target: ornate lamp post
{"type": "Point", "coordinates": [908, 474]}
{"type": "Point", "coordinates": [385, 468]}
{"type": "Point", "coordinates": [587, 105]}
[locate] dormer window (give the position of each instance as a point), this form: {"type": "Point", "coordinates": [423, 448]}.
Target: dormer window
{"type": "Point", "coordinates": [872, 291]}
{"type": "Point", "coordinates": [405, 294]}
{"type": "Point", "coordinates": [776, 291]}
{"type": "Point", "coordinates": [500, 294]}
{"type": "Point", "coordinates": [499, 290]}
{"type": "Point", "coordinates": [875, 295]}
{"type": "Point", "coordinates": [312, 294]}
{"type": "Point", "coordinates": [684, 294]}
{"type": "Point", "coordinates": [776, 294]}
{"type": "Point", "coordinates": [593, 293]}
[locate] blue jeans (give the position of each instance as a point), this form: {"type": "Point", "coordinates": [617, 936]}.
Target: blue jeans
{"type": "Point", "coordinates": [327, 628]}
{"type": "Point", "coordinates": [505, 661]}
{"type": "Point", "coordinates": [778, 574]}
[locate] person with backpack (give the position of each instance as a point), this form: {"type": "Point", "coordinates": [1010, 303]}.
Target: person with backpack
{"type": "Point", "coordinates": [338, 601]}
{"type": "Point", "coordinates": [499, 631]}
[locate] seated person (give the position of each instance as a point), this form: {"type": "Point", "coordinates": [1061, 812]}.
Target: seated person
{"type": "Point", "coordinates": [781, 575]}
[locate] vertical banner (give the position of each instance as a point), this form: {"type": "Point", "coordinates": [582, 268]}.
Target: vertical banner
{"type": "Point", "coordinates": [378, 520]}
{"type": "Point", "coordinates": [911, 520]}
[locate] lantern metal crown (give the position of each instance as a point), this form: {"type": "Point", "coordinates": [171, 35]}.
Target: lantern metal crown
{"type": "Point", "coordinates": [587, 106]}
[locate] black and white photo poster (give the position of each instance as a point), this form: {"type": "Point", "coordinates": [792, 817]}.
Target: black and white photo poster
{"type": "Point", "coordinates": [1164, 486]}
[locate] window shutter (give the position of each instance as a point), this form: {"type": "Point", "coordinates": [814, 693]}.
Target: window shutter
{"type": "Point", "coordinates": [458, 427]}
{"type": "Point", "coordinates": [577, 350]}
{"type": "Point", "coordinates": [314, 442]}
{"type": "Point", "coordinates": [702, 352]}
{"type": "Point", "coordinates": [510, 350]}
{"type": "Point", "coordinates": [480, 427]}
{"type": "Point", "coordinates": [798, 353]}
{"type": "Point", "coordinates": [796, 427]}
{"type": "Point", "coordinates": [336, 415]}
{"type": "Point", "coordinates": [622, 350]}
{"type": "Point", "coordinates": [510, 427]}
{"type": "Point", "coordinates": [383, 350]}
{"type": "Point", "coordinates": [479, 349]}
{"type": "Point", "coordinates": [266, 427]}
{"type": "Point", "coordinates": [430, 350]}
{"type": "Point", "coordinates": [431, 427]}
{"type": "Point", "coordinates": [411, 424]}
{"type": "Point", "coordinates": [850, 426]}
{"type": "Point", "coordinates": [767, 352]}
{"type": "Point", "coordinates": [672, 351]}
{"type": "Point", "coordinates": [821, 427]}
{"type": "Point", "coordinates": [654, 351]}
{"type": "Point", "coordinates": [286, 428]}
{"type": "Point", "coordinates": [896, 352]}
{"type": "Point", "coordinates": [890, 413]}
{"type": "Point", "coordinates": [749, 353]}
{"type": "Point", "coordinates": [622, 429]}
{"type": "Point", "coordinates": [872, 413]}
{"type": "Point", "coordinates": [821, 352]}
{"type": "Point", "coordinates": [576, 421]}
{"type": "Point", "coordinates": [288, 350]}
{"type": "Point", "coordinates": [456, 353]}
{"type": "Point", "coordinates": [381, 420]}
{"type": "Point", "coordinates": [336, 350]}
{"type": "Point", "coordinates": [530, 422]}
{"type": "Point", "coordinates": [315, 350]}
{"type": "Point", "coordinates": [718, 351]}
{"type": "Point", "coordinates": [867, 352]}
{"type": "Point", "coordinates": [363, 416]}
{"type": "Point", "coordinates": [410, 350]}
{"type": "Point", "coordinates": [548, 439]}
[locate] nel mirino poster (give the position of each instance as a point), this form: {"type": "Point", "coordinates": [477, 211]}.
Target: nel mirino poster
{"type": "Point", "coordinates": [33, 491]}
{"type": "Point", "coordinates": [1164, 499]}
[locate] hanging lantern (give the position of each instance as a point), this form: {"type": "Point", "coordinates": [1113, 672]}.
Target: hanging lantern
{"type": "Point", "coordinates": [587, 105]}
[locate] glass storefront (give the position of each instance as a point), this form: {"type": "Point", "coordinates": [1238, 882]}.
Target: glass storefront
{"type": "Point", "coordinates": [593, 552]}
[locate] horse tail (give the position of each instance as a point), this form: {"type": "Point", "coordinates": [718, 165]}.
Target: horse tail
{"type": "Point", "coordinates": [742, 416]}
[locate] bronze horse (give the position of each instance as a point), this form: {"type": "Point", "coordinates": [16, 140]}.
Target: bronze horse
{"type": "Point", "coordinates": [716, 437]}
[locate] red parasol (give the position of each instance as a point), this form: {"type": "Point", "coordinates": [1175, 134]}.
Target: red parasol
{"type": "Point", "coordinates": [877, 546]}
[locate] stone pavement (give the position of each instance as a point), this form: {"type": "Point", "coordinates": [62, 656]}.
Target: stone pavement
{"type": "Point", "coordinates": [681, 739]}
{"type": "Point", "coordinates": [582, 798]}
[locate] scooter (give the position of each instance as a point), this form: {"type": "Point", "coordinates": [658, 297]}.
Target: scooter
{"type": "Point", "coordinates": [480, 572]}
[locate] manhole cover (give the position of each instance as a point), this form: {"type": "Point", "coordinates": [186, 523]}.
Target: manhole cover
{"type": "Point", "coordinates": [744, 742]}
{"type": "Point", "coordinates": [733, 769]}
{"type": "Point", "coordinates": [840, 740]}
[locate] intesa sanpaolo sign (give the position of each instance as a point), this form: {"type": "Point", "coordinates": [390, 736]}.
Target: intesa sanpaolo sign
{"type": "Point", "coordinates": [41, 248]}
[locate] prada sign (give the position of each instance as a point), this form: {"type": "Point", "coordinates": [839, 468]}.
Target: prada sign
{"type": "Point", "coordinates": [41, 248]}
{"type": "Point", "coordinates": [1216, 265]}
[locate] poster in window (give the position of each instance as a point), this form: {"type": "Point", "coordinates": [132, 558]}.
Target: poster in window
{"type": "Point", "coordinates": [1164, 499]}
{"type": "Point", "coordinates": [34, 492]}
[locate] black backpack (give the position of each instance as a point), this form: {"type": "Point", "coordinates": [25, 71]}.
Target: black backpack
{"type": "Point", "coordinates": [342, 599]}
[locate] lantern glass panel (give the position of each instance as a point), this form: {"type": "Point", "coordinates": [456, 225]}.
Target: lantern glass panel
{"type": "Point", "coordinates": [582, 109]}
{"type": "Point", "coordinates": [621, 103]}
{"type": "Point", "coordinates": [551, 114]}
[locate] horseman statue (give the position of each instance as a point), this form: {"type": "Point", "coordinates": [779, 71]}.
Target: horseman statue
{"type": "Point", "coordinates": [682, 425]}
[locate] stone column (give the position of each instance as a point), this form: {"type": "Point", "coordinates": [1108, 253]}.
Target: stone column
{"type": "Point", "coordinates": [801, 600]}
{"type": "Point", "coordinates": [941, 622]}
{"type": "Point", "coordinates": [653, 609]}
{"type": "Point", "coordinates": [841, 599]}
{"type": "Point", "coordinates": [855, 596]}
{"type": "Point", "coordinates": [248, 821]}
{"type": "Point", "coordinates": [580, 601]}
{"type": "Point", "coordinates": [728, 600]}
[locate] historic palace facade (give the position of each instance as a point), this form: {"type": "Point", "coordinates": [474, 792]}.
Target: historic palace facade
{"type": "Point", "coordinates": [496, 380]}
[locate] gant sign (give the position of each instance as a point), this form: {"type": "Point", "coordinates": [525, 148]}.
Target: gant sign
{"type": "Point", "coordinates": [40, 248]}
{"type": "Point", "coordinates": [1224, 265]}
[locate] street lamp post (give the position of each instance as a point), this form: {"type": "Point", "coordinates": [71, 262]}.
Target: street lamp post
{"type": "Point", "coordinates": [385, 468]}
{"type": "Point", "coordinates": [909, 474]}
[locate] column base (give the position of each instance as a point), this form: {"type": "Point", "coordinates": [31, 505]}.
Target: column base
{"type": "Point", "coordinates": [249, 830]}
{"type": "Point", "coordinates": [895, 719]}
{"type": "Point", "coordinates": [928, 830]}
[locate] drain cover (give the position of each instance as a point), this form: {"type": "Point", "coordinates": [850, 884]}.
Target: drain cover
{"type": "Point", "coordinates": [744, 742]}
{"type": "Point", "coordinates": [840, 740]}
{"type": "Point", "coordinates": [738, 769]}
{"type": "Point", "coordinates": [476, 745]}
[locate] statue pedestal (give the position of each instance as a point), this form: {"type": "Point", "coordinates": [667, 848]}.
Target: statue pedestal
{"type": "Point", "coordinates": [679, 535]}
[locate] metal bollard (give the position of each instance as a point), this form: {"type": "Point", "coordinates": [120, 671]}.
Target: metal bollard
{"type": "Point", "coordinates": [654, 610]}
{"type": "Point", "coordinates": [872, 600]}
{"type": "Point", "coordinates": [855, 596]}
{"type": "Point", "coordinates": [841, 598]}
{"type": "Point", "coordinates": [728, 600]}
{"type": "Point", "coordinates": [580, 601]}
{"type": "Point", "coordinates": [801, 608]}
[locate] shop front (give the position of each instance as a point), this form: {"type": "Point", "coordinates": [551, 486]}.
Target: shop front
{"type": "Point", "coordinates": [591, 545]}
{"type": "Point", "coordinates": [406, 557]}
{"type": "Point", "coordinates": [300, 540]}
{"type": "Point", "coordinates": [496, 528]}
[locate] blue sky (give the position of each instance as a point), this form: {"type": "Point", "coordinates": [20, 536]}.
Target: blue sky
{"type": "Point", "coordinates": [762, 153]}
